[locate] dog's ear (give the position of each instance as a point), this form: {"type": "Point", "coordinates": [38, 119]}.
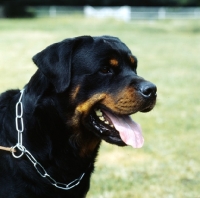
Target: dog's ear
{"type": "Point", "coordinates": [55, 62]}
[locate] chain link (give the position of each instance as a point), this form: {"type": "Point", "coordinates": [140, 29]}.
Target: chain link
{"type": "Point", "coordinates": [19, 126]}
{"type": "Point", "coordinates": [39, 168]}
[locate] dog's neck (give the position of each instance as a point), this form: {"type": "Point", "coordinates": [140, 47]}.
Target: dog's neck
{"type": "Point", "coordinates": [59, 140]}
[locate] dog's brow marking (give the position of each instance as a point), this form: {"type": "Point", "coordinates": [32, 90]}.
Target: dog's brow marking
{"type": "Point", "coordinates": [132, 59]}
{"type": "Point", "coordinates": [114, 62]}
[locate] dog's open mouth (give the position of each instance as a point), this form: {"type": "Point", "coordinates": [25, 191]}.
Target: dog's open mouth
{"type": "Point", "coordinates": [117, 129]}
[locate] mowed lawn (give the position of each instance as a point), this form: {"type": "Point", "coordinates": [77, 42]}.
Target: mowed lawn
{"type": "Point", "coordinates": [168, 166]}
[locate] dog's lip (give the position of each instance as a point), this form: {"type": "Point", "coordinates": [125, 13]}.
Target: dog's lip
{"type": "Point", "coordinates": [147, 109]}
{"type": "Point", "coordinates": [107, 109]}
{"type": "Point", "coordinates": [104, 132]}
{"type": "Point", "coordinates": [128, 130]}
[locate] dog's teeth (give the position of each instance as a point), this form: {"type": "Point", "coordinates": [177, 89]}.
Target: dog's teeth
{"type": "Point", "coordinates": [102, 118]}
{"type": "Point", "coordinates": [112, 126]}
{"type": "Point", "coordinates": [106, 122]}
{"type": "Point", "coordinates": [98, 112]}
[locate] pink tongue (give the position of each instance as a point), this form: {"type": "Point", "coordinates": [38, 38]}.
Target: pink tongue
{"type": "Point", "coordinates": [130, 132]}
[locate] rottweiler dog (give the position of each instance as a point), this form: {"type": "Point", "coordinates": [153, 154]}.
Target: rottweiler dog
{"type": "Point", "coordinates": [84, 91]}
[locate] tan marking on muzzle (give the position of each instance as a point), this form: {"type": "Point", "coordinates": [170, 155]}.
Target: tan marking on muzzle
{"type": "Point", "coordinates": [125, 102]}
{"type": "Point", "coordinates": [87, 140]}
{"type": "Point", "coordinates": [86, 106]}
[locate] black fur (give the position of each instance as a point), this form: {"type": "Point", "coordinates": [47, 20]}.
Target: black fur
{"type": "Point", "coordinates": [49, 104]}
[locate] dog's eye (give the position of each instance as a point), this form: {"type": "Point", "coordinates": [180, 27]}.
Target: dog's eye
{"type": "Point", "coordinates": [105, 70]}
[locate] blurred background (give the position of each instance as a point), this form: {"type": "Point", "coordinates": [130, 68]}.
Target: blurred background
{"type": "Point", "coordinates": [165, 37]}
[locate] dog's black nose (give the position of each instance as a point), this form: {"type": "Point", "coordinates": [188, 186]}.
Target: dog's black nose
{"type": "Point", "coordinates": [147, 89]}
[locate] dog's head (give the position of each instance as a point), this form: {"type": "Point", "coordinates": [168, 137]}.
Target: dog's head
{"type": "Point", "coordinates": [99, 76]}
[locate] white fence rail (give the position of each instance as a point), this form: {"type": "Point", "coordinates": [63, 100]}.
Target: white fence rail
{"type": "Point", "coordinates": [165, 13]}
{"type": "Point", "coordinates": [124, 13]}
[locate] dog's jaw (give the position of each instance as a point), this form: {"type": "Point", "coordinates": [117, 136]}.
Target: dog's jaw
{"type": "Point", "coordinates": [106, 117]}
{"type": "Point", "coordinates": [116, 129]}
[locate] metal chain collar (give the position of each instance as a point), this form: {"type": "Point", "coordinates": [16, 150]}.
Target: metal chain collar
{"type": "Point", "coordinates": [39, 168]}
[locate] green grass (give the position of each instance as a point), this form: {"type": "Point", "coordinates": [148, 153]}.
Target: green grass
{"type": "Point", "coordinates": [168, 165]}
